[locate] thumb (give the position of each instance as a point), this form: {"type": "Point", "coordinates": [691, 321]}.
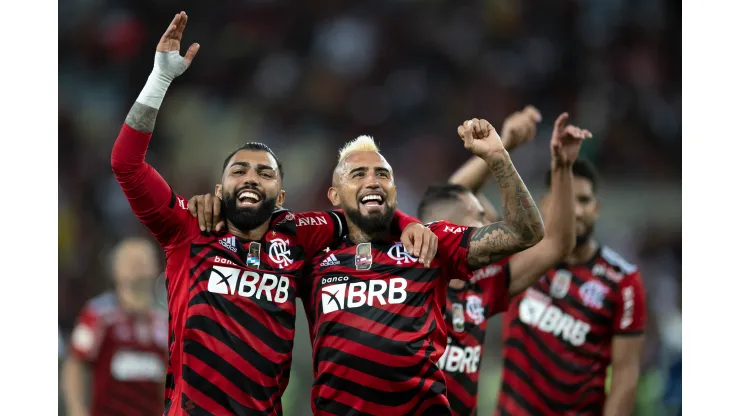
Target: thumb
{"type": "Point", "coordinates": [533, 113]}
{"type": "Point", "coordinates": [190, 54]}
{"type": "Point", "coordinates": [468, 134]}
{"type": "Point", "coordinates": [193, 207]}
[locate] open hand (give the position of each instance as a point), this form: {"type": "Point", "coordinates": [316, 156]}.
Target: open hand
{"type": "Point", "coordinates": [420, 242]}
{"type": "Point", "coordinates": [168, 60]}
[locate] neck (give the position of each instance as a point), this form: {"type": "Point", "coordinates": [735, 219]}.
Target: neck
{"type": "Point", "coordinates": [583, 253]}
{"type": "Point", "coordinates": [134, 302]}
{"type": "Point", "coordinates": [359, 236]}
{"type": "Point", "coordinates": [253, 234]}
{"type": "Point", "coordinates": [457, 284]}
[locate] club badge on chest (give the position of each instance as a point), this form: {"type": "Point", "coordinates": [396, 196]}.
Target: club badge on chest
{"type": "Point", "coordinates": [364, 256]}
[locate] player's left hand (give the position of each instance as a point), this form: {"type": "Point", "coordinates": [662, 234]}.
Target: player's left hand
{"type": "Point", "coordinates": [420, 242]}
{"type": "Point", "coordinates": [207, 208]}
{"type": "Point", "coordinates": [520, 127]}
{"type": "Point", "coordinates": [566, 141]}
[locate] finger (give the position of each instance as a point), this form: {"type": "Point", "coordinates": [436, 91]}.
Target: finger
{"type": "Point", "coordinates": [486, 127]}
{"type": "Point", "coordinates": [533, 113]}
{"type": "Point", "coordinates": [561, 121]}
{"type": "Point", "coordinates": [181, 25]}
{"type": "Point", "coordinates": [574, 131]}
{"type": "Point", "coordinates": [433, 250]}
{"type": "Point", "coordinates": [461, 132]}
{"type": "Point", "coordinates": [208, 212]}
{"type": "Point", "coordinates": [468, 133]}
{"type": "Point", "coordinates": [426, 249]}
{"type": "Point", "coordinates": [407, 241]}
{"type": "Point", "coordinates": [478, 131]}
{"type": "Point", "coordinates": [202, 214]}
{"type": "Point", "coordinates": [190, 54]}
{"type": "Point", "coordinates": [220, 226]}
{"type": "Point", "coordinates": [170, 29]}
{"type": "Point", "coordinates": [588, 134]}
{"type": "Point", "coordinates": [418, 243]}
{"type": "Point", "coordinates": [217, 211]}
{"type": "Point", "coordinates": [193, 207]}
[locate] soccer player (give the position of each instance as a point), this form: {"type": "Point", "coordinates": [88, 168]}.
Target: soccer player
{"type": "Point", "coordinates": [231, 297]}
{"type": "Point", "coordinates": [376, 318]}
{"type": "Point", "coordinates": [121, 339]}
{"type": "Point", "coordinates": [580, 317]}
{"type": "Point", "coordinates": [471, 302]}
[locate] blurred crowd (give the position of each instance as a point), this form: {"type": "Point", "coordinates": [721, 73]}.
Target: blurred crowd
{"type": "Point", "coordinates": [306, 76]}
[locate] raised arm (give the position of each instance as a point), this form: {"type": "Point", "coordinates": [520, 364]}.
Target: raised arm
{"type": "Point", "coordinates": [521, 226]}
{"type": "Point", "coordinates": [560, 228]}
{"type": "Point", "coordinates": [518, 128]}
{"type": "Point", "coordinates": [150, 197]}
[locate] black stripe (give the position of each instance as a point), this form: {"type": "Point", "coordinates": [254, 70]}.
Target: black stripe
{"type": "Point", "coordinates": [191, 408]}
{"type": "Point", "coordinates": [369, 367]}
{"type": "Point", "coordinates": [217, 395]}
{"type": "Point", "coordinates": [112, 412]}
{"type": "Point", "coordinates": [561, 407]}
{"type": "Point", "coordinates": [340, 224]}
{"type": "Point", "coordinates": [248, 321]}
{"type": "Point", "coordinates": [173, 199]}
{"type": "Point", "coordinates": [167, 405]}
{"type": "Point", "coordinates": [132, 402]}
{"type": "Point", "coordinates": [507, 273]}
{"type": "Point", "coordinates": [457, 405]}
{"type": "Point", "coordinates": [169, 381]}
{"type": "Point", "coordinates": [231, 373]}
{"type": "Point", "coordinates": [463, 379]}
{"type": "Point", "coordinates": [214, 329]}
{"type": "Point", "coordinates": [553, 380]}
{"type": "Point", "coordinates": [437, 389]}
{"type": "Point", "coordinates": [336, 408]}
{"type": "Point", "coordinates": [519, 400]}
{"type": "Point", "coordinates": [502, 412]}
{"type": "Point", "coordinates": [414, 274]}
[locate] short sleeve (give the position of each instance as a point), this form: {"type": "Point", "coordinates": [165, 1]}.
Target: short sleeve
{"type": "Point", "coordinates": [494, 280]}
{"type": "Point", "coordinates": [319, 230]}
{"type": "Point", "coordinates": [630, 306]}
{"type": "Point", "coordinates": [452, 248]}
{"type": "Point", "coordinates": [87, 336]}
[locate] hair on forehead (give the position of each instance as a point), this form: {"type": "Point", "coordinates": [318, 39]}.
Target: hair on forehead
{"type": "Point", "coordinates": [359, 144]}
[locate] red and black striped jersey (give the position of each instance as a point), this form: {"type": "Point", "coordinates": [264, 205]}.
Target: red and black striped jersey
{"type": "Point", "coordinates": [558, 335]}
{"type": "Point", "coordinates": [466, 317]}
{"type": "Point", "coordinates": [127, 354]}
{"type": "Point", "coordinates": [377, 324]}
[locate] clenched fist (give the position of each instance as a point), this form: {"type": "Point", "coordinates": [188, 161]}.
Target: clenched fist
{"type": "Point", "coordinates": [481, 139]}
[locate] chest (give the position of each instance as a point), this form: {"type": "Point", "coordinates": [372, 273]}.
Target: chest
{"type": "Point", "coordinates": [577, 289]}
{"type": "Point", "coordinates": [370, 274]}
{"type": "Point", "coordinates": [135, 333]}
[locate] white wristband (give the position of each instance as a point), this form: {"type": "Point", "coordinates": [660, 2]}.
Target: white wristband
{"type": "Point", "coordinates": [154, 90]}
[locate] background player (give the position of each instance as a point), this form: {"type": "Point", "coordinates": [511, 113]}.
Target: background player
{"type": "Point", "coordinates": [377, 323]}
{"type": "Point", "coordinates": [231, 298]}
{"type": "Point", "coordinates": [471, 303]}
{"type": "Point", "coordinates": [583, 315]}
{"type": "Point", "coordinates": [120, 341]}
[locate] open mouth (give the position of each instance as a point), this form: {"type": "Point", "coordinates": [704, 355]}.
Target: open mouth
{"type": "Point", "coordinates": [248, 198]}
{"type": "Point", "coordinates": [372, 200]}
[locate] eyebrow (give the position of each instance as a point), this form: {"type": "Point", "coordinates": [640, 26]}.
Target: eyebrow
{"type": "Point", "coordinates": [246, 165]}
{"type": "Point", "coordinates": [364, 169]}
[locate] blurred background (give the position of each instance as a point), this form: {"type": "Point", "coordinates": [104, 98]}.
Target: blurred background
{"type": "Point", "coordinates": [307, 76]}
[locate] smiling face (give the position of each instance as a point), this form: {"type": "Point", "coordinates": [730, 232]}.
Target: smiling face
{"type": "Point", "coordinates": [364, 188]}
{"type": "Point", "coordinates": [250, 189]}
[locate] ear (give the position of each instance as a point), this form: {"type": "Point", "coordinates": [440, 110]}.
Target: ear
{"type": "Point", "coordinates": [280, 199]}
{"type": "Point", "coordinates": [333, 195]}
{"type": "Point", "coordinates": [218, 191]}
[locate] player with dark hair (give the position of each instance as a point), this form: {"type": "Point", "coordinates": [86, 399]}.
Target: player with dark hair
{"type": "Point", "coordinates": [121, 339]}
{"type": "Point", "coordinates": [376, 318]}
{"type": "Point", "coordinates": [231, 297]}
{"type": "Point", "coordinates": [470, 303]}
{"type": "Point", "coordinates": [580, 317]}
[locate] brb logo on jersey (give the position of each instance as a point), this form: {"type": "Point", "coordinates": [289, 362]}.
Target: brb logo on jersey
{"type": "Point", "coordinates": [248, 284]}
{"type": "Point", "coordinates": [280, 253]}
{"type": "Point", "coordinates": [460, 359]}
{"type": "Point", "coordinates": [537, 311]}
{"type": "Point", "coordinates": [353, 295]}
{"type": "Point", "coordinates": [400, 255]}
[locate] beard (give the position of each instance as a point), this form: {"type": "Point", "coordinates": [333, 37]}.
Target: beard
{"type": "Point", "coordinates": [247, 219]}
{"type": "Point", "coordinates": [373, 223]}
{"type": "Point", "coordinates": [584, 238]}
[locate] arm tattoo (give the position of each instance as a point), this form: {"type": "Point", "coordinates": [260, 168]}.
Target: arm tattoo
{"type": "Point", "coordinates": [521, 227]}
{"type": "Point", "coordinates": [142, 117]}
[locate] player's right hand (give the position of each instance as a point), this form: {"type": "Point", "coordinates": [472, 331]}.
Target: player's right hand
{"type": "Point", "coordinates": [520, 127]}
{"type": "Point", "coordinates": [167, 60]}
{"type": "Point", "coordinates": [566, 141]}
{"type": "Point", "coordinates": [207, 209]}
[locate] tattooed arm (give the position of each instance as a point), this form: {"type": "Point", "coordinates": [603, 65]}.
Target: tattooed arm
{"type": "Point", "coordinates": [521, 226]}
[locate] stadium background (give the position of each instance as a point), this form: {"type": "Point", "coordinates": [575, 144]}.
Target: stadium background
{"type": "Point", "coordinates": [306, 76]}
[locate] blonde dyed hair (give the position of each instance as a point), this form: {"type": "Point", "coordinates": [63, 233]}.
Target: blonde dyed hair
{"type": "Point", "coordinates": [359, 144]}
